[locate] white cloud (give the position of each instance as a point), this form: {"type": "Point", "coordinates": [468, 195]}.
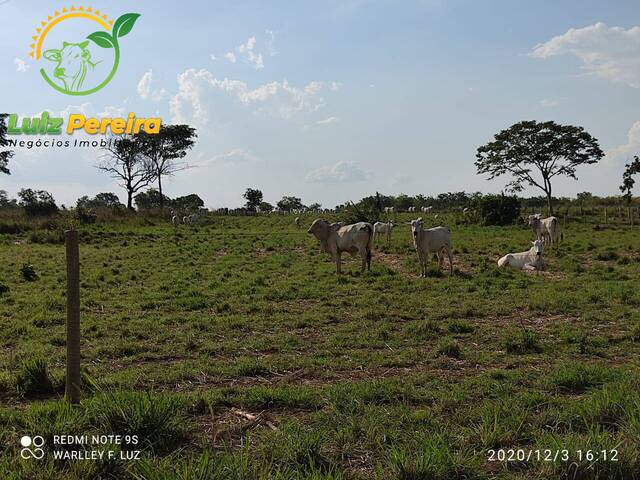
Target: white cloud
{"type": "Point", "coordinates": [213, 57]}
{"type": "Point", "coordinates": [278, 98]}
{"type": "Point", "coordinates": [230, 56]}
{"type": "Point", "coordinates": [328, 121]}
{"type": "Point", "coordinates": [612, 53]}
{"type": "Point", "coordinates": [21, 65]}
{"type": "Point", "coordinates": [627, 151]}
{"type": "Point", "coordinates": [335, 86]}
{"type": "Point", "coordinates": [233, 157]}
{"type": "Point", "coordinates": [549, 102]}
{"type": "Point", "coordinates": [111, 111]}
{"type": "Point", "coordinates": [271, 37]}
{"type": "Point", "coordinates": [247, 51]}
{"type": "Point", "coordinates": [146, 90]}
{"type": "Point", "coordinates": [341, 172]}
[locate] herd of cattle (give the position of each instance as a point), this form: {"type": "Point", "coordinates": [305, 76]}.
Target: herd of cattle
{"type": "Point", "coordinates": [358, 239]}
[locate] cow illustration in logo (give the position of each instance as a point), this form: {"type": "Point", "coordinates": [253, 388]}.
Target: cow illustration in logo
{"type": "Point", "coordinates": [73, 61]}
{"type": "Point", "coordinates": [74, 67]}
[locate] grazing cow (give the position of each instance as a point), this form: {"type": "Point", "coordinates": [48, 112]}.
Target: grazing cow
{"type": "Point", "coordinates": [297, 221]}
{"type": "Point", "coordinates": [547, 229]}
{"type": "Point", "coordinates": [380, 228]}
{"type": "Point", "coordinates": [354, 239]}
{"type": "Point", "coordinates": [432, 240]}
{"type": "Point", "coordinates": [73, 62]}
{"type": "Point", "coordinates": [529, 260]}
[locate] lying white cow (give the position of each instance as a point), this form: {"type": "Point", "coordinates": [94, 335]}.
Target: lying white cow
{"type": "Point", "coordinates": [433, 240]}
{"type": "Point", "coordinates": [547, 229]}
{"type": "Point", "coordinates": [381, 228]}
{"type": "Point", "coordinates": [529, 260]}
{"type": "Point", "coordinates": [335, 239]}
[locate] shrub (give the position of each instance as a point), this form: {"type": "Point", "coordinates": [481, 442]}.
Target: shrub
{"type": "Point", "coordinates": [37, 202]}
{"type": "Point", "coordinates": [28, 272]}
{"type": "Point", "coordinates": [499, 209]}
{"type": "Point", "coordinates": [33, 377]}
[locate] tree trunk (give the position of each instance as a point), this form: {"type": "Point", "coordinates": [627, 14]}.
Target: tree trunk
{"type": "Point", "coordinates": [130, 200]}
{"type": "Point", "coordinates": [160, 192]}
{"type": "Point", "coordinates": [549, 203]}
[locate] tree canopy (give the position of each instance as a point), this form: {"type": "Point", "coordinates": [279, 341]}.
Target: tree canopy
{"type": "Point", "coordinates": [253, 198]}
{"type": "Point", "coordinates": [5, 155]}
{"type": "Point", "coordinates": [628, 181]}
{"type": "Point", "coordinates": [533, 153]}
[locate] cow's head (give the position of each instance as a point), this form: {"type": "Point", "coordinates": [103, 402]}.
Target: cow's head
{"type": "Point", "coordinates": [70, 59]}
{"type": "Point", "coordinates": [537, 247]}
{"type": "Point", "coordinates": [534, 219]}
{"type": "Point", "coordinates": [416, 227]}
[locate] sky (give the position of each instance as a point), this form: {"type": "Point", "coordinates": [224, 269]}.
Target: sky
{"type": "Point", "coordinates": [332, 101]}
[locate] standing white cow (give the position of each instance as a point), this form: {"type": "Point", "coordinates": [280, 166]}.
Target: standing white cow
{"type": "Point", "coordinates": [354, 239]}
{"type": "Point", "coordinates": [432, 240]}
{"type": "Point", "coordinates": [547, 229]}
{"type": "Point", "coordinates": [383, 228]}
{"type": "Point", "coordinates": [427, 209]}
{"type": "Point", "coordinates": [297, 221]}
{"type": "Point", "coordinates": [389, 209]}
{"type": "Point", "coordinates": [529, 260]}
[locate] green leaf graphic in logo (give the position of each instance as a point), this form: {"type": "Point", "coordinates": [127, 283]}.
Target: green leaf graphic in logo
{"type": "Point", "coordinates": [74, 61]}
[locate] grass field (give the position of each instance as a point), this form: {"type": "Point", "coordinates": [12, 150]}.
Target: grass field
{"type": "Point", "coordinates": [234, 351]}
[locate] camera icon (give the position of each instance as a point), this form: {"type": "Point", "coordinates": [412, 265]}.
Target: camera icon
{"type": "Point", "coordinates": [32, 447]}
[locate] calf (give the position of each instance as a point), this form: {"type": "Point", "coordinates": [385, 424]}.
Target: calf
{"type": "Point", "coordinates": [335, 239]}
{"type": "Point", "coordinates": [529, 260]}
{"type": "Point", "coordinates": [433, 240]}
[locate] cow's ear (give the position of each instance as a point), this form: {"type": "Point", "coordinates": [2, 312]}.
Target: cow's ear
{"type": "Point", "coordinates": [84, 44]}
{"type": "Point", "coordinates": [53, 55]}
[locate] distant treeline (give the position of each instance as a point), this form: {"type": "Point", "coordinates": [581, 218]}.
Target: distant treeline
{"type": "Point", "coordinates": [42, 203]}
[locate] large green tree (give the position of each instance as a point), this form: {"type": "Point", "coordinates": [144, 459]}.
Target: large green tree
{"type": "Point", "coordinates": [253, 198]}
{"type": "Point", "coordinates": [533, 153]}
{"type": "Point", "coordinates": [164, 150]}
{"type": "Point", "coordinates": [5, 155]}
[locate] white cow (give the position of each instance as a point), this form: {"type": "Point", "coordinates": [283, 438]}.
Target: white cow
{"type": "Point", "coordinates": [529, 260]}
{"type": "Point", "coordinates": [297, 221]}
{"type": "Point", "coordinates": [354, 239]}
{"type": "Point", "coordinates": [411, 209]}
{"type": "Point", "coordinates": [380, 228]}
{"type": "Point", "coordinates": [426, 209]}
{"type": "Point", "coordinates": [433, 240]}
{"type": "Point", "coordinates": [547, 229]}
{"type": "Point", "coordinates": [389, 209]}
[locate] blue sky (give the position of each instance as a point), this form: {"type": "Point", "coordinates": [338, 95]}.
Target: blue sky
{"type": "Point", "coordinates": [334, 100]}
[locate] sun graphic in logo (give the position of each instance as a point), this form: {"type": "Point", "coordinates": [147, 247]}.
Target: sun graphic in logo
{"type": "Point", "coordinates": [89, 61]}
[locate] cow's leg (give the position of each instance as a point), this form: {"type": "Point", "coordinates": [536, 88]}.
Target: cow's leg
{"type": "Point", "coordinates": [363, 257]}
{"type": "Point", "coordinates": [338, 263]}
{"type": "Point", "coordinates": [450, 260]}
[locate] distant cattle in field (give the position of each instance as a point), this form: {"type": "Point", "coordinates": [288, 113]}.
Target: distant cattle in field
{"type": "Point", "coordinates": [383, 228]}
{"type": "Point", "coordinates": [335, 239]}
{"type": "Point", "coordinates": [547, 229]}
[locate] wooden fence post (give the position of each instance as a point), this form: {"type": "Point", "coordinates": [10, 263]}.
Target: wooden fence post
{"type": "Point", "coordinates": [73, 381]}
